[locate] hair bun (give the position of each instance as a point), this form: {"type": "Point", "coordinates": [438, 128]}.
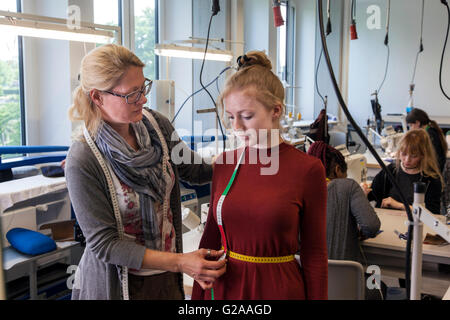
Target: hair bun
{"type": "Point", "coordinates": [254, 58]}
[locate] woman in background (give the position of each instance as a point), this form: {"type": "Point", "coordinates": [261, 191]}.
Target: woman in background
{"type": "Point", "coordinates": [350, 217]}
{"type": "Point", "coordinates": [416, 161]}
{"type": "Point", "coordinates": [418, 119]}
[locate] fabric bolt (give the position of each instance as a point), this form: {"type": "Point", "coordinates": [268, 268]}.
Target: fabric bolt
{"type": "Point", "coordinates": [264, 216]}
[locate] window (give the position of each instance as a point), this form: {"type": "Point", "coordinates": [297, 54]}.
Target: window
{"type": "Point", "coordinates": [282, 35]}
{"type": "Point", "coordinates": [11, 117]}
{"type": "Point", "coordinates": [139, 27]}
{"type": "Point", "coordinates": [286, 53]}
{"type": "Point", "coordinates": [146, 35]}
{"type": "Point", "coordinates": [106, 12]}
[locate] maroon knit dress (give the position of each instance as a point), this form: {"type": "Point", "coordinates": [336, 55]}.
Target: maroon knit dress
{"type": "Point", "coordinates": [263, 216]}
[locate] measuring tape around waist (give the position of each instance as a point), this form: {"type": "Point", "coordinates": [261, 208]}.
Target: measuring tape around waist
{"type": "Point", "coordinates": [251, 259]}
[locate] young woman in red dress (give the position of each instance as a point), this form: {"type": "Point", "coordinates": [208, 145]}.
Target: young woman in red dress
{"type": "Point", "coordinates": [276, 205]}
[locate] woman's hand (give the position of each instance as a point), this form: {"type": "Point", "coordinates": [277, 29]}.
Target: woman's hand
{"type": "Point", "coordinates": [202, 265]}
{"type": "Point", "coordinates": [391, 203]}
{"type": "Point", "coordinates": [213, 161]}
{"type": "Point", "coordinates": [366, 188]}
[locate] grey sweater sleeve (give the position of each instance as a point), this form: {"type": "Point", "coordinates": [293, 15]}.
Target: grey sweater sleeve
{"type": "Point", "coordinates": [191, 167]}
{"type": "Point", "coordinates": [90, 198]}
{"type": "Point", "coordinates": [364, 214]}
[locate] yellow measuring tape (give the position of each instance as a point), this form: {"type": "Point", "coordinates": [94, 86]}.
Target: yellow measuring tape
{"type": "Point", "coordinates": [251, 259]}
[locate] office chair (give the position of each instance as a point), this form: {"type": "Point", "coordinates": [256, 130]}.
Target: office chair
{"type": "Point", "coordinates": [345, 280]}
{"type": "Point", "coordinates": [337, 138]}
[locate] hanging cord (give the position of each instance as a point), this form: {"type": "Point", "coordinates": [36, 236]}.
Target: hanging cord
{"type": "Point", "coordinates": [370, 147]}
{"type": "Point", "coordinates": [200, 90]}
{"type": "Point", "coordinates": [320, 58]}
{"type": "Point", "coordinates": [353, 11]}
{"type": "Point", "coordinates": [203, 86]}
{"type": "Point", "coordinates": [444, 2]}
{"type": "Point", "coordinates": [386, 69]}
{"type": "Point", "coordinates": [386, 43]}
{"type": "Point", "coordinates": [421, 44]}
{"type": "Point", "coordinates": [329, 17]}
{"type": "Point", "coordinates": [317, 84]}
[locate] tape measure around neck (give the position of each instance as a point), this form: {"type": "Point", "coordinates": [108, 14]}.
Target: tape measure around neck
{"type": "Point", "coordinates": [115, 203]}
{"type": "Point", "coordinates": [222, 199]}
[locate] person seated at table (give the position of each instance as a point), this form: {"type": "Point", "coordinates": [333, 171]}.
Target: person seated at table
{"type": "Point", "coordinates": [415, 162]}
{"type": "Point", "coordinates": [418, 119]}
{"type": "Point", "coordinates": [350, 217]}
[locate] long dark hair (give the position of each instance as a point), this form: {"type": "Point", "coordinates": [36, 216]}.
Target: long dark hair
{"type": "Point", "coordinates": [329, 156]}
{"type": "Point", "coordinates": [417, 114]}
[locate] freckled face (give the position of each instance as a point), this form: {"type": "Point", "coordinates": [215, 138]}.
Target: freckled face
{"type": "Point", "coordinates": [249, 118]}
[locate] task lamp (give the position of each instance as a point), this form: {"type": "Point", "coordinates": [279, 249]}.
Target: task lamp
{"type": "Point", "coordinates": [29, 25]}
{"type": "Point", "coordinates": [180, 51]}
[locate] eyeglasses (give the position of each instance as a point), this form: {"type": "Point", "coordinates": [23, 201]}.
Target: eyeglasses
{"type": "Point", "coordinates": [135, 96]}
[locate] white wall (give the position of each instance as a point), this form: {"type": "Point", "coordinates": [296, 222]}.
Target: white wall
{"type": "Point", "coordinates": [51, 66]}
{"type": "Point", "coordinates": [260, 34]}
{"type": "Point", "coordinates": [180, 70]}
{"type": "Point", "coordinates": [368, 58]}
{"type": "Point", "coordinates": [192, 19]}
{"type": "Point", "coordinates": [259, 30]}
{"type": "Point", "coordinates": [305, 57]}
{"type": "Point", "coordinates": [78, 50]}
{"type": "Point", "coordinates": [220, 29]}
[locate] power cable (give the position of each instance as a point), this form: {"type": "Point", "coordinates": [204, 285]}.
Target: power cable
{"type": "Point", "coordinates": [370, 147]}
{"type": "Point", "coordinates": [201, 81]}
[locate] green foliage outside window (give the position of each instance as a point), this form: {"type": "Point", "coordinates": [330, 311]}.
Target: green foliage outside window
{"type": "Point", "coordinates": [10, 124]}
{"type": "Point", "coordinates": [145, 40]}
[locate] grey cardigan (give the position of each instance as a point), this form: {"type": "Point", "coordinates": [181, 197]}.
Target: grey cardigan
{"type": "Point", "coordinates": [348, 208]}
{"type": "Point", "coordinates": [98, 274]}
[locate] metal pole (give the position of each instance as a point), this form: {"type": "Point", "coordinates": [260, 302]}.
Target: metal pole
{"type": "Point", "coordinates": [33, 280]}
{"type": "Point", "coordinates": [416, 266]}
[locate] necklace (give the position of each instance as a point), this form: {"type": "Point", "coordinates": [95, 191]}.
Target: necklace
{"type": "Point", "coordinates": [414, 170]}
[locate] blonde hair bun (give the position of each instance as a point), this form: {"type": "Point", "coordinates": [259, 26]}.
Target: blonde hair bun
{"type": "Point", "coordinates": [254, 58]}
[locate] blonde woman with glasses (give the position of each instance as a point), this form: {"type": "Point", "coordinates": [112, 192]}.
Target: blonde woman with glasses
{"type": "Point", "coordinates": [124, 187]}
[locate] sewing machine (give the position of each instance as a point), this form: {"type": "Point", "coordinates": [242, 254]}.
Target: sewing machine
{"type": "Point", "coordinates": [292, 133]}
{"type": "Point", "coordinates": [356, 164]}
{"type": "Point", "coordinates": [189, 208]}
{"type": "Point", "coordinates": [390, 141]}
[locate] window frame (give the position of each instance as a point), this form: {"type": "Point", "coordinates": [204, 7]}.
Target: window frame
{"type": "Point", "coordinates": [23, 126]}
{"type": "Point", "coordinates": [288, 74]}
{"type": "Point", "coordinates": [291, 46]}
{"type": "Point", "coordinates": [127, 25]}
